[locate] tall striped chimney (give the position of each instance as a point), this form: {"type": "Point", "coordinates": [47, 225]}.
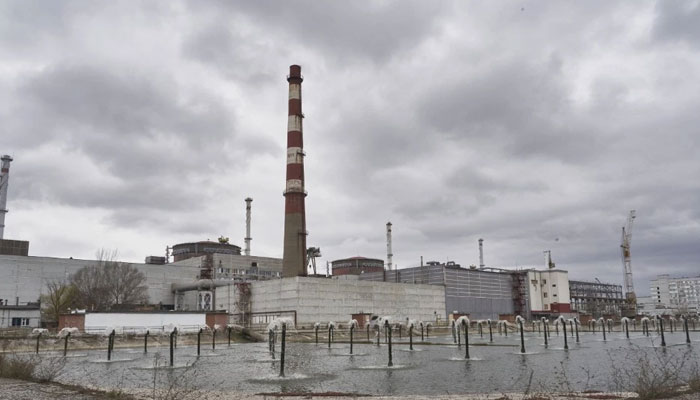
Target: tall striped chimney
{"type": "Point", "coordinates": [389, 253]}
{"type": "Point", "coordinates": [481, 253]}
{"type": "Point", "coordinates": [294, 258]}
{"type": "Point", "coordinates": [247, 239]}
{"type": "Point", "coordinates": [4, 180]}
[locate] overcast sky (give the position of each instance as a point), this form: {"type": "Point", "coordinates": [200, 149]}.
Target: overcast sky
{"type": "Point", "coordinates": [533, 125]}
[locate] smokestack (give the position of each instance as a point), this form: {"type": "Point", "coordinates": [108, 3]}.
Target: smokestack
{"type": "Point", "coordinates": [4, 180]}
{"type": "Point", "coordinates": [481, 253]}
{"type": "Point", "coordinates": [294, 258]}
{"type": "Point", "coordinates": [548, 259]}
{"type": "Point", "coordinates": [389, 254]}
{"type": "Point", "coordinates": [247, 225]}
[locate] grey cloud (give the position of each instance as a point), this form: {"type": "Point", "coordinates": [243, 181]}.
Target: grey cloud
{"type": "Point", "coordinates": [237, 56]}
{"type": "Point", "coordinates": [453, 120]}
{"type": "Point", "coordinates": [678, 21]}
{"type": "Point", "coordinates": [522, 106]}
{"type": "Point", "coordinates": [344, 31]}
{"type": "Point", "coordinates": [125, 104]}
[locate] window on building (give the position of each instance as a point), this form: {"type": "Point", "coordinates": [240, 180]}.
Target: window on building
{"type": "Point", "coordinates": [554, 285]}
{"type": "Point", "coordinates": [544, 281]}
{"type": "Point", "coordinates": [20, 321]}
{"type": "Point", "coordinates": [554, 295]}
{"type": "Point", "coordinates": [544, 295]}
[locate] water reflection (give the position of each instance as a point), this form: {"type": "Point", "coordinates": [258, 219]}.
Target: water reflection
{"type": "Point", "coordinates": [250, 368]}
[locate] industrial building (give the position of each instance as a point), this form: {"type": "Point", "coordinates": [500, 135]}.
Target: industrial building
{"type": "Point", "coordinates": [184, 251]}
{"type": "Point", "coordinates": [340, 299]}
{"type": "Point", "coordinates": [679, 294]}
{"type": "Point", "coordinates": [489, 292]}
{"type": "Point", "coordinates": [548, 291]}
{"type": "Point", "coordinates": [356, 266]}
{"type": "Point", "coordinates": [173, 285]}
{"type": "Point", "coordinates": [596, 298]}
{"type": "Point", "coordinates": [20, 316]}
{"type": "Point", "coordinates": [478, 293]}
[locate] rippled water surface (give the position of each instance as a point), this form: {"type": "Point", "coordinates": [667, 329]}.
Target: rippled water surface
{"type": "Point", "coordinates": [436, 368]}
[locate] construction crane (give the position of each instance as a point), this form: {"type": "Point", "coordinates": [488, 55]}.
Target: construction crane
{"type": "Point", "coordinates": [627, 262]}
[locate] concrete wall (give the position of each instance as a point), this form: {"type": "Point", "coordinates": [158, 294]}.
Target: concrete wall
{"type": "Point", "coordinates": [23, 279]}
{"type": "Point", "coordinates": [336, 299]}
{"type": "Point", "coordinates": [142, 321]}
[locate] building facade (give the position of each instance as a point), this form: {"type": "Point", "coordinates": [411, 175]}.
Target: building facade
{"type": "Point", "coordinates": [681, 295]}
{"type": "Point", "coordinates": [24, 279]}
{"type": "Point", "coordinates": [356, 266]}
{"type": "Point", "coordinates": [339, 299]}
{"type": "Point", "coordinates": [480, 294]}
{"type": "Point", "coordinates": [596, 298]}
{"type": "Point", "coordinates": [548, 292]}
{"type": "Point", "coordinates": [24, 316]}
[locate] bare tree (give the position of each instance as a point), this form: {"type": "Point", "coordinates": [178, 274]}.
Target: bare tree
{"type": "Point", "coordinates": [109, 283]}
{"type": "Point", "coordinates": [91, 288]}
{"type": "Point", "coordinates": [59, 299]}
{"type": "Point", "coordinates": [125, 284]}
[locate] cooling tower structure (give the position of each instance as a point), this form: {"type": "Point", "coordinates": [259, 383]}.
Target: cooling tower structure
{"type": "Point", "coordinates": [294, 258]}
{"type": "Point", "coordinates": [4, 181]}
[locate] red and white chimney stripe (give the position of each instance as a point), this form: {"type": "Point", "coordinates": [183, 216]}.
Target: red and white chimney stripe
{"type": "Point", "coordinates": [294, 259]}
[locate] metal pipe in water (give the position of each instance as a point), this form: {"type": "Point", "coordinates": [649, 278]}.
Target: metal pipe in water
{"type": "Point", "coordinates": [38, 337]}
{"type": "Point", "coordinates": [145, 342]}
{"type": "Point", "coordinates": [65, 345]}
{"type": "Point", "coordinates": [459, 336]}
{"type": "Point", "coordinates": [172, 346]}
{"type": "Point", "coordinates": [213, 339]}
{"type": "Point", "coordinates": [352, 327]}
{"type": "Point", "coordinates": [490, 332]}
{"type": "Point", "coordinates": [602, 326]}
{"type": "Point", "coordinates": [388, 330]}
{"type": "Point", "coordinates": [466, 338]}
{"type": "Point", "coordinates": [544, 329]}
{"type": "Point", "coordinates": [199, 339]}
{"type": "Point", "coordinates": [571, 326]}
{"type": "Point", "coordinates": [282, 350]}
{"type": "Point", "coordinates": [522, 337]}
{"type": "Point", "coordinates": [110, 345]}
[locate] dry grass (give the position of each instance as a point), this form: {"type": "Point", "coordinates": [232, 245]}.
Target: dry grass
{"type": "Point", "coordinates": [656, 373]}
{"type": "Point", "coordinates": [31, 368]}
{"type": "Point", "coordinates": [14, 367]}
